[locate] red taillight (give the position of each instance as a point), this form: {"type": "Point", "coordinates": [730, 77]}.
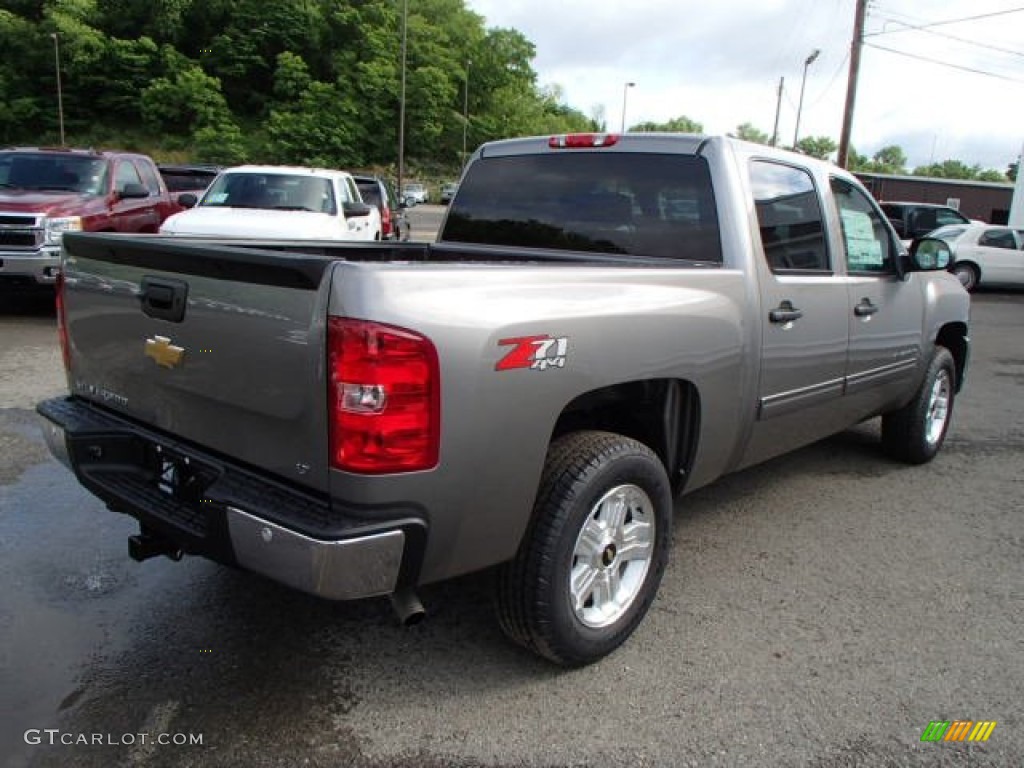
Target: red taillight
{"type": "Point", "coordinates": [385, 222]}
{"type": "Point", "coordinates": [583, 140]}
{"type": "Point", "coordinates": [385, 398]}
{"type": "Point", "coordinates": [62, 325]}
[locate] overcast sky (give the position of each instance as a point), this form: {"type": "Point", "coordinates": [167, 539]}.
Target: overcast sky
{"type": "Point", "coordinates": [720, 65]}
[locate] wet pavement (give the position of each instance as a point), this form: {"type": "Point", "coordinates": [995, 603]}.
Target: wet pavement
{"type": "Point", "coordinates": [818, 610]}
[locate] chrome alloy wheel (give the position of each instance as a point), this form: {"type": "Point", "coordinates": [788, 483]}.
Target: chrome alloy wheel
{"type": "Point", "coordinates": [612, 556]}
{"type": "Point", "coordinates": [938, 407]}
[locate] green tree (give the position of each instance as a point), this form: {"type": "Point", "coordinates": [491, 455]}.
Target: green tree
{"type": "Point", "coordinates": [890, 159]}
{"type": "Point", "coordinates": [817, 146]}
{"type": "Point", "coordinates": [319, 129]}
{"type": "Point", "coordinates": [681, 124]}
{"type": "Point", "coordinates": [747, 132]}
{"type": "Point", "coordinates": [990, 174]}
{"type": "Point", "coordinates": [855, 162]}
{"type": "Point", "coordinates": [948, 169]}
{"type": "Point", "coordinates": [191, 100]}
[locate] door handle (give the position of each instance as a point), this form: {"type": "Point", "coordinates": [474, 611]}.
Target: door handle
{"type": "Point", "coordinates": [865, 308]}
{"type": "Point", "coordinates": [785, 313]}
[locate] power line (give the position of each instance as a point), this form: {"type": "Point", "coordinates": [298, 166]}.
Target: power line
{"type": "Point", "coordinates": [913, 28]}
{"type": "Point", "coordinates": [944, 63]}
{"type": "Point", "coordinates": [954, 21]}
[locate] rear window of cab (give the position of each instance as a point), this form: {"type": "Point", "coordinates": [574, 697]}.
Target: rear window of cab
{"type": "Point", "coordinates": [633, 204]}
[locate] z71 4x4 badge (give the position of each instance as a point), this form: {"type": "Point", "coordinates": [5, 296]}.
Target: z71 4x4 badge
{"type": "Point", "coordinates": [538, 353]}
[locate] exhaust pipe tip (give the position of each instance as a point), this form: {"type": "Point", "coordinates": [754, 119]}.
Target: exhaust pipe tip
{"type": "Point", "coordinates": [407, 607]}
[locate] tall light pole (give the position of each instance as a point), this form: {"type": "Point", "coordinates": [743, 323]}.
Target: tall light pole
{"type": "Point", "coordinates": [625, 92]}
{"type": "Point", "coordinates": [60, 95]}
{"type": "Point", "coordinates": [800, 106]}
{"type": "Point", "coordinates": [778, 109]}
{"type": "Point", "coordinates": [401, 103]}
{"type": "Point", "coordinates": [465, 112]}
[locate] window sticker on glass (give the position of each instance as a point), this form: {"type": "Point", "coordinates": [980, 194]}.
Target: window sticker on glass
{"type": "Point", "coordinates": [862, 247]}
{"type": "Point", "coordinates": [218, 198]}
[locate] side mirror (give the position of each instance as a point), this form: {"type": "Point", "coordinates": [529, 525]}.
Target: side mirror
{"type": "Point", "coordinates": [187, 200]}
{"type": "Point", "coordinates": [929, 254]}
{"type": "Point", "coordinates": [132, 191]}
{"type": "Point", "coordinates": [356, 209]}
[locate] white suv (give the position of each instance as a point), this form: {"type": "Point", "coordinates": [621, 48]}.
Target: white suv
{"type": "Point", "coordinates": [415, 193]}
{"type": "Point", "coordinates": [281, 203]}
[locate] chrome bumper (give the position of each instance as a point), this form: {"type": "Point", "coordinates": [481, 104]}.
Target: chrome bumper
{"type": "Point", "coordinates": [42, 266]}
{"type": "Point", "coordinates": [338, 570]}
{"type": "Point", "coordinates": [344, 569]}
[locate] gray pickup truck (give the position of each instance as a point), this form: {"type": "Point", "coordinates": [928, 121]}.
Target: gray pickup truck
{"type": "Point", "coordinates": [605, 322]}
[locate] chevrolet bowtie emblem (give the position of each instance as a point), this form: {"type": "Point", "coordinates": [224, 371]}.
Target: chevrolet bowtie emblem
{"type": "Point", "coordinates": [163, 352]}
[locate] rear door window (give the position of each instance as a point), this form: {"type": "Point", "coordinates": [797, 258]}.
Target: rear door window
{"type": "Point", "coordinates": [789, 217]}
{"type": "Point", "coordinates": [634, 204]}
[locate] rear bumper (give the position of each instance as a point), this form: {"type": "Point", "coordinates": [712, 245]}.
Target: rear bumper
{"type": "Point", "coordinates": [210, 507]}
{"type": "Point", "coordinates": [41, 266]}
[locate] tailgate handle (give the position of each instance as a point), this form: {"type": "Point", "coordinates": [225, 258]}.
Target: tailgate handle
{"type": "Point", "coordinates": [164, 298]}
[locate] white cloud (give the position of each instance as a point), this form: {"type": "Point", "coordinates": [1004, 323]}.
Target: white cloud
{"type": "Point", "coordinates": [721, 64]}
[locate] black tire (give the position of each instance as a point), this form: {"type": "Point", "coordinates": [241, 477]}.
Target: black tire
{"type": "Point", "coordinates": [589, 478]}
{"type": "Point", "coordinates": [915, 432]}
{"type": "Point", "coordinates": [967, 274]}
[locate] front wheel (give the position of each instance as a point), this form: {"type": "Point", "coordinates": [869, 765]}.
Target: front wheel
{"type": "Point", "coordinates": [915, 432]}
{"type": "Point", "coordinates": [592, 559]}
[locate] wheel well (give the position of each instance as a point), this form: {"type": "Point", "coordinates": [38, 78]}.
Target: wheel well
{"type": "Point", "coordinates": [663, 414]}
{"type": "Point", "coordinates": [954, 338]}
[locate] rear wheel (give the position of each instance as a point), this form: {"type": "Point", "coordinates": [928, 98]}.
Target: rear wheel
{"type": "Point", "coordinates": [591, 562]}
{"type": "Point", "coordinates": [916, 431]}
{"type": "Point", "coordinates": [967, 274]}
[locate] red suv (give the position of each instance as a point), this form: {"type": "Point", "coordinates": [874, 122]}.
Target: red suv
{"type": "Point", "coordinates": [46, 192]}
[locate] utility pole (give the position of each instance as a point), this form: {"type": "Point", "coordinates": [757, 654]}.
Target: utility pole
{"type": "Point", "coordinates": [851, 88]}
{"type": "Point", "coordinates": [60, 95]}
{"type": "Point", "coordinates": [778, 108]}
{"type": "Point", "coordinates": [401, 102]}
{"type": "Point", "coordinates": [465, 112]}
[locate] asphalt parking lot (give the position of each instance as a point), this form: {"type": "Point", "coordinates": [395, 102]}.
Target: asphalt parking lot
{"type": "Point", "coordinates": [818, 610]}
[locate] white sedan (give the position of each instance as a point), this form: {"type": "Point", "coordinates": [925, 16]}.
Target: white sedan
{"type": "Point", "coordinates": [985, 254]}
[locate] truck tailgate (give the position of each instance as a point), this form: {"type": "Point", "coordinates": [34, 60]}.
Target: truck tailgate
{"type": "Point", "coordinates": [221, 346]}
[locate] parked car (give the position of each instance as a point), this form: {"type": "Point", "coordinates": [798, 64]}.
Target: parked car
{"type": "Point", "coordinates": [45, 192]}
{"type": "Point", "coordinates": [415, 193]}
{"type": "Point", "coordinates": [279, 202]}
{"type": "Point", "coordinates": [914, 220]}
{"type": "Point", "coordinates": [448, 192]}
{"type": "Point", "coordinates": [985, 253]}
{"type": "Point", "coordinates": [394, 224]}
{"type": "Point", "coordinates": [188, 178]}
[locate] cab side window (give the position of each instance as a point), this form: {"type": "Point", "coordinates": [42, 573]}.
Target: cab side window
{"type": "Point", "coordinates": [869, 246]}
{"type": "Point", "coordinates": [789, 217]}
{"type": "Point", "coordinates": [149, 176]}
{"type": "Point", "coordinates": [126, 174]}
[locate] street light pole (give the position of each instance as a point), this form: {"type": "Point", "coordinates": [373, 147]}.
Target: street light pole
{"type": "Point", "coordinates": [401, 104]}
{"type": "Point", "coordinates": [800, 107]}
{"type": "Point", "coordinates": [625, 92]}
{"type": "Point", "coordinates": [60, 96]}
{"type": "Point", "coordinates": [465, 112]}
